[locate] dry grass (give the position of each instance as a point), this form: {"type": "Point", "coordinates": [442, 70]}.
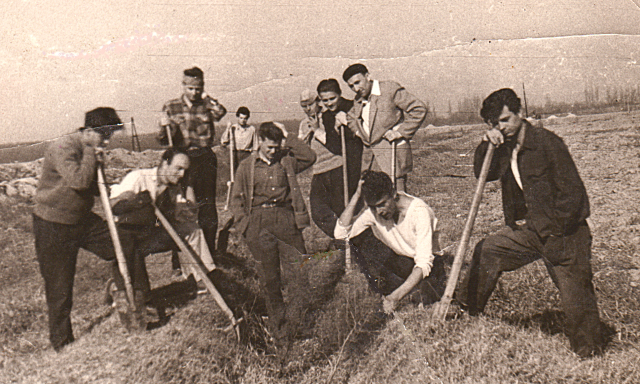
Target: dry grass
{"type": "Point", "coordinates": [342, 336]}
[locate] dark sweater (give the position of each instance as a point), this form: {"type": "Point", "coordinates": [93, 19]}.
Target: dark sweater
{"type": "Point", "coordinates": [68, 185]}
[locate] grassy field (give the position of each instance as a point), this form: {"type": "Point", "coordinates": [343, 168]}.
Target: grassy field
{"type": "Point", "coordinates": [342, 336]}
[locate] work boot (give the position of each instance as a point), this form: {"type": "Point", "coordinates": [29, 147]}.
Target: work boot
{"type": "Point", "coordinates": [122, 307]}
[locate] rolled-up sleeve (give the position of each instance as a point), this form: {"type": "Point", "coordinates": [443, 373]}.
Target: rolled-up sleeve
{"type": "Point", "coordinates": [131, 182]}
{"type": "Point", "coordinates": [425, 228]}
{"type": "Point", "coordinates": [363, 221]}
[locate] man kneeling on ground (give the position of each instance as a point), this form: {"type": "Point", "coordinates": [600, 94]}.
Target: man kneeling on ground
{"type": "Point", "coordinates": [405, 224]}
{"type": "Point", "coordinates": [132, 198]}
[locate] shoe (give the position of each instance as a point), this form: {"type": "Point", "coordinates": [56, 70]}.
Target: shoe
{"type": "Point", "coordinates": [201, 289]}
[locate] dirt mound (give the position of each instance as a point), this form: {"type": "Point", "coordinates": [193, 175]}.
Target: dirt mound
{"type": "Point", "coordinates": [13, 171]}
{"type": "Point", "coordinates": [21, 179]}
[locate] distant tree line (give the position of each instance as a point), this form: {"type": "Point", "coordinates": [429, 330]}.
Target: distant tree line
{"type": "Point", "coordinates": [596, 100]}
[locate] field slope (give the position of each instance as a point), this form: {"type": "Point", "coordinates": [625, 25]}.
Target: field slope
{"type": "Point", "coordinates": [342, 336]}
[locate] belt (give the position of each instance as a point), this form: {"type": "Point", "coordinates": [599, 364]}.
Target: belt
{"type": "Point", "coordinates": [243, 150]}
{"type": "Point", "coordinates": [197, 149]}
{"type": "Point", "coordinates": [273, 205]}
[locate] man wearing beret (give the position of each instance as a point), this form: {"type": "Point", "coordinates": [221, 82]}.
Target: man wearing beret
{"type": "Point", "coordinates": [545, 208]}
{"type": "Point", "coordinates": [190, 121]}
{"type": "Point", "coordinates": [384, 112]}
{"type": "Point", "coordinates": [63, 222]}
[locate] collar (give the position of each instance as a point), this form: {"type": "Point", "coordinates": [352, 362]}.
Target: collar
{"type": "Point", "coordinates": [189, 103]}
{"type": "Point", "coordinates": [528, 133]}
{"type": "Point", "coordinates": [375, 90]}
{"type": "Point", "coordinates": [238, 126]}
{"type": "Point", "coordinates": [186, 101]}
{"type": "Point", "coordinates": [261, 157]}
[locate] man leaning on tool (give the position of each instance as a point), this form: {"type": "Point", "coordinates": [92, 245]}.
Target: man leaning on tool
{"type": "Point", "coordinates": [191, 119]}
{"type": "Point", "coordinates": [241, 136]}
{"type": "Point", "coordinates": [132, 204]}
{"type": "Point", "coordinates": [270, 213]}
{"type": "Point", "coordinates": [545, 208]}
{"type": "Point", "coordinates": [326, 197]}
{"type": "Point", "coordinates": [63, 222]}
{"type": "Point", "coordinates": [384, 112]}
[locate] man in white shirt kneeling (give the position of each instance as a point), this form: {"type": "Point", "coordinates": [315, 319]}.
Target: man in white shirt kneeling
{"type": "Point", "coordinates": [163, 186]}
{"type": "Point", "coordinates": [405, 224]}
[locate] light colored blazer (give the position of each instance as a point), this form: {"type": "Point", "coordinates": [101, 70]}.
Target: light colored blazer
{"type": "Point", "coordinates": [393, 108]}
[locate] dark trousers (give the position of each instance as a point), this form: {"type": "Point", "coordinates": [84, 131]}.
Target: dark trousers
{"type": "Point", "coordinates": [238, 156]}
{"type": "Point", "coordinates": [568, 261]}
{"type": "Point", "coordinates": [57, 247]}
{"type": "Point", "coordinates": [327, 199]}
{"type": "Point", "coordinates": [201, 176]}
{"type": "Point", "coordinates": [386, 271]}
{"type": "Point", "coordinates": [274, 241]}
{"type": "Point", "coordinates": [327, 196]}
{"type": "Point", "coordinates": [140, 242]}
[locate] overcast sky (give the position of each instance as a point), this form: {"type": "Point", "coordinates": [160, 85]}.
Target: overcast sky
{"type": "Point", "coordinates": [59, 58]}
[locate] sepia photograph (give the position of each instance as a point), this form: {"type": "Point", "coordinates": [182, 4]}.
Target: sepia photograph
{"type": "Point", "coordinates": [279, 191]}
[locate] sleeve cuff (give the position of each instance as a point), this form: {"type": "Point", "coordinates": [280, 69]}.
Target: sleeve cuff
{"type": "Point", "coordinates": [341, 231]}
{"type": "Point", "coordinates": [426, 266]}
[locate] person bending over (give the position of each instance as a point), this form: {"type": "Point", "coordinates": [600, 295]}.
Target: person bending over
{"type": "Point", "coordinates": [63, 221]}
{"type": "Point", "coordinates": [407, 226]}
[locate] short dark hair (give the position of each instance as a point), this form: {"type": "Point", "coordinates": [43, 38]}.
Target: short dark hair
{"type": "Point", "coordinates": [270, 131]}
{"type": "Point", "coordinates": [170, 153]}
{"type": "Point", "coordinates": [494, 103]}
{"type": "Point", "coordinates": [376, 185]}
{"type": "Point", "coordinates": [243, 111]}
{"type": "Point", "coordinates": [194, 72]}
{"type": "Point", "coordinates": [354, 69]}
{"type": "Point", "coordinates": [329, 85]}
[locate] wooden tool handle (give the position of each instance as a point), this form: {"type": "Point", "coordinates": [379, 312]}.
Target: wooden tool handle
{"type": "Point", "coordinates": [122, 262]}
{"type": "Point", "coordinates": [394, 144]}
{"type": "Point", "coordinates": [345, 182]}
{"type": "Point", "coordinates": [440, 310]}
{"type": "Point", "coordinates": [169, 138]}
{"type": "Point", "coordinates": [199, 269]}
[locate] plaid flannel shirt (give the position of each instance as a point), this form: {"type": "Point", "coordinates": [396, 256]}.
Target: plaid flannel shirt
{"type": "Point", "coordinates": [192, 124]}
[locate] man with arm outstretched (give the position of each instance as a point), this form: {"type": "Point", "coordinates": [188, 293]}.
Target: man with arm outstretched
{"type": "Point", "coordinates": [407, 226]}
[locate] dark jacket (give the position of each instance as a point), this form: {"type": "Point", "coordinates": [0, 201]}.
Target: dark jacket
{"type": "Point", "coordinates": [296, 152]}
{"type": "Point", "coordinates": [553, 200]}
{"type": "Point", "coordinates": [334, 142]}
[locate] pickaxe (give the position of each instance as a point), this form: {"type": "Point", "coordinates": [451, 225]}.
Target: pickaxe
{"type": "Point", "coordinates": [200, 271]}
